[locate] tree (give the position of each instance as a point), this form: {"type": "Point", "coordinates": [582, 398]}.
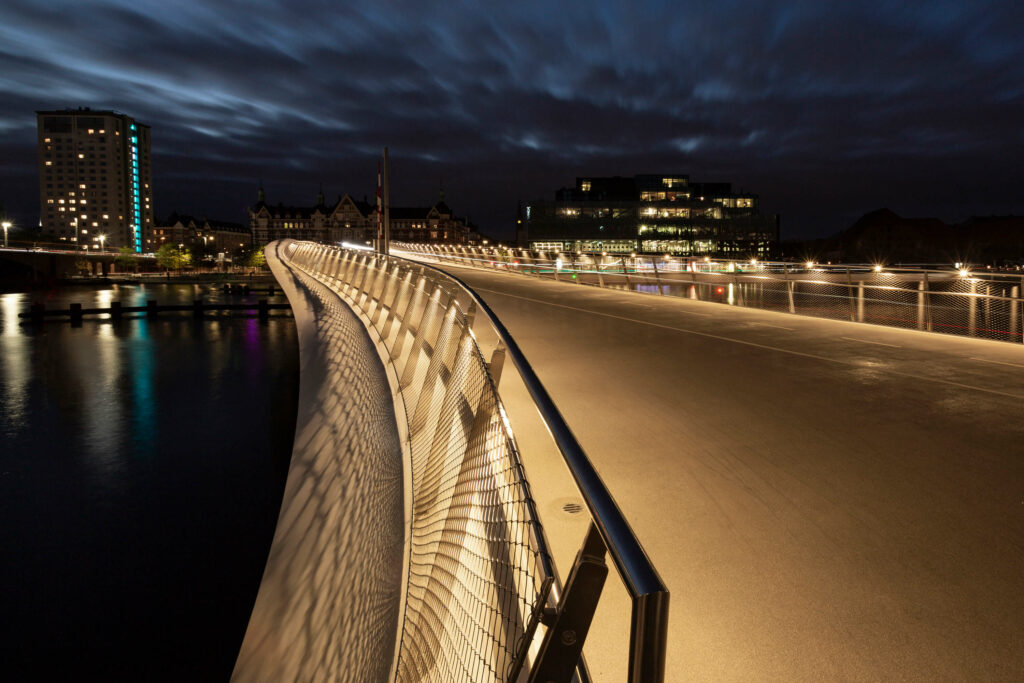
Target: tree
{"type": "Point", "coordinates": [169, 257]}
{"type": "Point", "coordinates": [256, 259]}
{"type": "Point", "coordinates": [126, 259]}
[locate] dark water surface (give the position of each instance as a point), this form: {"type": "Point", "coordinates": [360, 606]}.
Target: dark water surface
{"type": "Point", "coordinates": [141, 470]}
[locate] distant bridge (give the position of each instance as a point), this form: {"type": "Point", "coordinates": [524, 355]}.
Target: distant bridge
{"type": "Point", "coordinates": [47, 264]}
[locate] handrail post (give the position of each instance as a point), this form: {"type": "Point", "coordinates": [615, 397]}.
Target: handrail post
{"type": "Point", "coordinates": [657, 276]}
{"type": "Point", "coordinates": [1013, 311]}
{"type": "Point", "coordinates": [972, 310]}
{"type": "Point", "coordinates": [849, 292]}
{"type": "Point", "coordinates": [649, 638]}
{"type": "Point", "coordinates": [928, 303]}
{"type": "Point", "coordinates": [920, 304]}
{"type": "Point", "coordinates": [496, 363]}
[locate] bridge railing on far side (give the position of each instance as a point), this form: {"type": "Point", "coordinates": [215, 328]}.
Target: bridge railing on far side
{"type": "Point", "coordinates": [958, 301]}
{"type": "Point", "coordinates": [483, 601]}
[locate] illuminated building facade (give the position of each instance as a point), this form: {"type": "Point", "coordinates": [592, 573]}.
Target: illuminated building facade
{"type": "Point", "coordinates": [349, 220]}
{"type": "Point", "coordinates": [95, 179]}
{"type": "Point", "coordinates": [665, 214]}
{"type": "Point", "coordinates": [209, 236]}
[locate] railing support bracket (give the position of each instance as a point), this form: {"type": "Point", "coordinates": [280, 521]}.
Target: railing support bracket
{"type": "Point", "coordinates": [563, 643]}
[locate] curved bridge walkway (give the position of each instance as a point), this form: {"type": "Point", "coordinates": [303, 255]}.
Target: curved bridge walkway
{"type": "Point", "coordinates": [328, 605]}
{"type": "Point", "coordinates": [827, 500]}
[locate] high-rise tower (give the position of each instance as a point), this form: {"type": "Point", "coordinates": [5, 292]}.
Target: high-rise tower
{"type": "Point", "coordinates": [95, 178]}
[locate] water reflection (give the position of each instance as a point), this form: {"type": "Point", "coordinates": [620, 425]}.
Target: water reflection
{"type": "Point", "coordinates": [102, 416]}
{"type": "Point", "coordinates": [15, 362]}
{"type": "Point", "coordinates": [140, 356]}
{"type": "Point", "coordinates": [141, 468]}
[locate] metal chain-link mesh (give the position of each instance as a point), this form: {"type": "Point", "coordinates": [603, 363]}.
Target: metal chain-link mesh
{"type": "Point", "coordinates": [982, 304]}
{"type": "Point", "coordinates": [479, 568]}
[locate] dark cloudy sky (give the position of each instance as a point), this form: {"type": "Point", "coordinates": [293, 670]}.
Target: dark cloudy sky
{"type": "Point", "coordinates": [826, 109]}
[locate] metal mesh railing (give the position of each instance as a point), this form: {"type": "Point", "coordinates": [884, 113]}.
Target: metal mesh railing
{"type": "Point", "coordinates": [480, 572]}
{"type": "Point", "coordinates": [981, 304]}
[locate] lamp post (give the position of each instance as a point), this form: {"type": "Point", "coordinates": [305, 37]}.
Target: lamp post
{"type": "Point", "coordinates": [7, 225]}
{"type": "Point", "coordinates": [102, 239]}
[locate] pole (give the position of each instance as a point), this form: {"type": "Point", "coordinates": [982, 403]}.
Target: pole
{"type": "Point", "coordinates": [378, 238]}
{"type": "Point", "coordinates": [387, 204]}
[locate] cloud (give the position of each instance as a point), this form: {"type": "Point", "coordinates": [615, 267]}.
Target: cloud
{"type": "Point", "coordinates": [514, 100]}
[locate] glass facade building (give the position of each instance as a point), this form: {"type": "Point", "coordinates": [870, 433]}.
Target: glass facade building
{"type": "Point", "coordinates": [650, 214]}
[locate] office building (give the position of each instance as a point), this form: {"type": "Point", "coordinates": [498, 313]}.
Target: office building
{"type": "Point", "coordinates": [665, 214]}
{"type": "Point", "coordinates": [95, 179]}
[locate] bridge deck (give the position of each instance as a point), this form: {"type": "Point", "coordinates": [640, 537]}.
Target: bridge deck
{"type": "Point", "coordinates": [826, 500]}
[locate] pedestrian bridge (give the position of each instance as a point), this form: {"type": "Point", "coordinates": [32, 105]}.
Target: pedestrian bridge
{"type": "Point", "coordinates": [827, 497]}
{"type": "Point", "coordinates": [409, 545]}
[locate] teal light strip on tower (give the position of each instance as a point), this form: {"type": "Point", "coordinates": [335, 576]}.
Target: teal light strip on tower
{"type": "Point", "coordinates": [136, 220]}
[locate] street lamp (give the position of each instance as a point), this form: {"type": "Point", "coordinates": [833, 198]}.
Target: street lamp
{"type": "Point", "coordinates": [7, 225]}
{"type": "Point", "coordinates": [102, 239]}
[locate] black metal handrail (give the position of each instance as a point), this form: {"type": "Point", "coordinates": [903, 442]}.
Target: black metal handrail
{"type": "Point", "coordinates": [649, 594]}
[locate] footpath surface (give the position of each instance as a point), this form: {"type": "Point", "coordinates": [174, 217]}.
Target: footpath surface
{"type": "Point", "coordinates": [825, 500]}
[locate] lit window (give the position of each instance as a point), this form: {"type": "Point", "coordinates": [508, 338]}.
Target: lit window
{"type": "Point", "coordinates": [81, 156]}
{"type": "Point", "coordinates": [585, 186]}
{"type": "Point", "coordinates": [49, 163]}
{"type": "Point", "coordinates": [81, 187]}
{"type": "Point", "coordinates": [46, 139]}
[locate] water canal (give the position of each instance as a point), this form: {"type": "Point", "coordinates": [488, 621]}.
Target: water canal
{"type": "Point", "coordinates": [142, 465]}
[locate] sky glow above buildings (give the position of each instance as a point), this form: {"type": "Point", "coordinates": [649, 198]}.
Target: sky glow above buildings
{"type": "Point", "coordinates": [825, 112]}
